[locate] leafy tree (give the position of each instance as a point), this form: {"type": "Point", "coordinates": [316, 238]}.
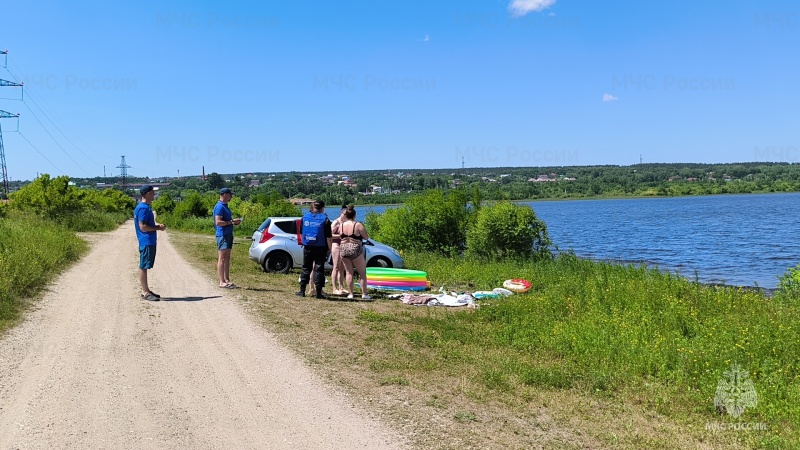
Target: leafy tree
{"type": "Point", "coordinates": [108, 200]}
{"type": "Point", "coordinates": [282, 208]}
{"type": "Point", "coordinates": [477, 199]}
{"type": "Point", "coordinates": [51, 198]}
{"type": "Point", "coordinates": [508, 230]}
{"type": "Point", "coordinates": [215, 181]}
{"type": "Point", "coordinates": [426, 222]}
{"type": "Point", "coordinates": [164, 203]}
{"type": "Point", "coordinates": [192, 205]}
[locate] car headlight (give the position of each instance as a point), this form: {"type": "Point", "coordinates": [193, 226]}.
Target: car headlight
{"type": "Point", "coordinates": [395, 252]}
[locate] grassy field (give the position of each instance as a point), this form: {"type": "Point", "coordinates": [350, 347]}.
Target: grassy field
{"type": "Point", "coordinates": [32, 252]}
{"type": "Point", "coordinates": [594, 356]}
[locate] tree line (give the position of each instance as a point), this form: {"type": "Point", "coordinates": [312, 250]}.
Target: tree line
{"type": "Point", "coordinates": [495, 183]}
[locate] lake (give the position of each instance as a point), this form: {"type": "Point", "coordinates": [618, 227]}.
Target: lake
{"type": "Point", "coordinates": [743, 240]}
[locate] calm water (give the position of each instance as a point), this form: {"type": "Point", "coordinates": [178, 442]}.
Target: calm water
{"type": "Point", "coordinates": [733, 239]}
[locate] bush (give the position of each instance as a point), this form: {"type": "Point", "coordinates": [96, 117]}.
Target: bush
{"type": "Point", "coordinates": [431, 221]}
{"type": "Point", "coordinates": [508, 230]}
{"type": "Point", "coordinates": [77, 209]}
{"type": "Point", "coordinates": [28, 263]}
{"type": "Point", "coordinates": [192, 205]}
{"type": "Point", "coordinates": [107, 200]}
{"type": "Point", "coordinates": [281, 208]}
{"type": "Point", "coordinates": [789, 284]}
{"type": "Point", "coordinates": [164, 203]}
{"type": "Point", "coordinates": [49, 198]}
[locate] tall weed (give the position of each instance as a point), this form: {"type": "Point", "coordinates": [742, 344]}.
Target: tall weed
{"type": "Point", "coordinates": [32, 251]}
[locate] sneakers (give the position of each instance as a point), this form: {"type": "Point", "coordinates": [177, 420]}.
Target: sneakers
{"type": "Point", "coordinates": [366, 297]}
{"type": "Point", "coordinates": [321, 295]}
{"type": "Point", "coordinates": [151, 297]}
{"type": "Point", "coordinates": [300, 294]}
{"type": "Point", "coordinates": [349, 295]}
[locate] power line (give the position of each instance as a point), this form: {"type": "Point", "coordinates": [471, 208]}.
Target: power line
{"type": "Point", "coordinates": [54, 139]}
{"type": "Point", "coordinates": [62, 133]}
{"type": "Point", "coordinates": [40, 153]}
{"type": "Point", "coordinates": [45, 113]}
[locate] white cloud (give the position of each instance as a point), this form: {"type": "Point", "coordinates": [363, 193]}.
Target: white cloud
{"type": "Point", "coordinates": [522, 7]}
{"type": "Point", "coordinates": [426, 38]}
{"type": "Point", "coordinates": [609, 98]}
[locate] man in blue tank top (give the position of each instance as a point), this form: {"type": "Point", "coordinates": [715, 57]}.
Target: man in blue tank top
{"type": "Point", "coordinates": [144, 222]}
{"type": "Point", "coordinates": [317, 238]}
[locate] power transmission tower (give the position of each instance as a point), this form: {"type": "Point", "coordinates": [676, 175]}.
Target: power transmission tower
{"type": "Point", "coordinates": [6, 83]}
{"type": "Point", "coordinates": [124, 173]}
{"type": "Point", "coordinates": [5, 115]}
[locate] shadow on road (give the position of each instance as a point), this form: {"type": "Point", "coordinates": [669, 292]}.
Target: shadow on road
{"type": "Point", "coordinates": [187, 299]}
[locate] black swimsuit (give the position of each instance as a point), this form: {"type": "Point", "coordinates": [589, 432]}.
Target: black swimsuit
{"type": "Point", "coordinates": [351, 236]}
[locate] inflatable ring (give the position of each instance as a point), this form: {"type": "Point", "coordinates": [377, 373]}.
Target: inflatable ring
{"type": "Point", "coordinates": [517, 285]}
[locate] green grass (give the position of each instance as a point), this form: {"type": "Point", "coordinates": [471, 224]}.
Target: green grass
{"type": "Point", "coordinates": [32, 252]}
{"type": "Point", "coordinates": [615, 330]}
{"type": "Point", "coordinates": [625, 356]}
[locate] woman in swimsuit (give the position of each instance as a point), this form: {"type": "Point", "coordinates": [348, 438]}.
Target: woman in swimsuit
{"type": "Point", "coordinates": [352, 230]}
{"type": "Point", "coordinates": [337, 274]}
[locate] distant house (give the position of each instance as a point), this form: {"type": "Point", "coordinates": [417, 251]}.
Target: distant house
{"type": "Point", "coordinates": [542, 179]}
{"type": "Point", "coordinates": [254, 183]}
{"type": "Point", "coordinates": [301, 201]}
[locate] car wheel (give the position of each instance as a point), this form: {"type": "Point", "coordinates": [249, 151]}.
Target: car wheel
{"type": "Point", "coordinates": [379, 261]}
{"type": "Point", "coordinates": [278, 262]}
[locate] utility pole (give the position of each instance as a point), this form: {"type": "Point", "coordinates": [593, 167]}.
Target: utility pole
{"type": "Point", "coordinates": [5, 115]}
{"type": "Point", "coordinates": [124, 174]}
{"type": "Point", "coordinates": [4, 54]}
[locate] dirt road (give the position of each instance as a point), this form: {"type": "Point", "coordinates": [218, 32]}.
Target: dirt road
{"type": "Point", "coordinates": [94, 366]}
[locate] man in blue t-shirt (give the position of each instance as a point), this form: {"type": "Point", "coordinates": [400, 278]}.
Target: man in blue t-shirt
{"type": "Point", "coordinates": [146, 226]}
{"type": "Point", "coordinates": [224, 221]}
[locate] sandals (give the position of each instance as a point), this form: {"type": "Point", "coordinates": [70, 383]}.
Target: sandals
{"type": "Point", "coordinates": [229, 286]}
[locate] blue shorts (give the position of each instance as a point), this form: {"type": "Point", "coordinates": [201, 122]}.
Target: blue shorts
{"type": "Point", "coordinates": [225, 242]}
{"type": "Point", "coordinates": [147, 256]}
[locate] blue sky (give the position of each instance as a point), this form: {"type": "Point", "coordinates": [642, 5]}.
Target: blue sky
{"type": "Point", "coordinates": [334, 86]}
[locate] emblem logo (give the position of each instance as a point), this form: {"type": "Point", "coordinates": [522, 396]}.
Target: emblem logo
{"type": "Point", "coordinates": [735, 392]}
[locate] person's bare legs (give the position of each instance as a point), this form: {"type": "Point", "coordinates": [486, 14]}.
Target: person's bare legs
{"type": "Point", "coordinates": [143, 281]}
{"type": "Point", "coordinates": [348, 268]}
{"type": "Point", "coordinates": [224, 266]}
{"type": "Point", "coordinates": [361, 266]}
{"type": "Point", "coordinates": [336, 275]}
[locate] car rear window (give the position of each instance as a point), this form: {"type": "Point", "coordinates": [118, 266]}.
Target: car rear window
{"type": "Point", "coordinates": [264, 225]}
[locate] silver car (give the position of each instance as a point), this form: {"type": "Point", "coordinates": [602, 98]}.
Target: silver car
{"type": "Point", "coordinates": [276, 247]}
